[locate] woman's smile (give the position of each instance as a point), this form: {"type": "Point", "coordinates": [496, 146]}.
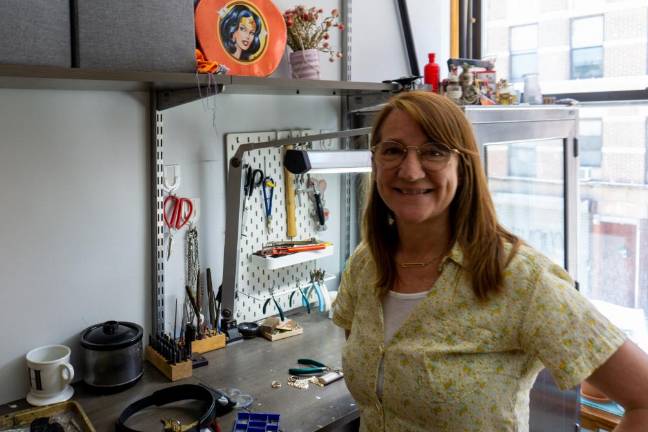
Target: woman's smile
{"type": "Point", "coordinates": [411, 191]}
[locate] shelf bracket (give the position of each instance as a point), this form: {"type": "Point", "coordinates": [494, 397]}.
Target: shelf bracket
{"type": "Point", "coordinates": [171, 98]}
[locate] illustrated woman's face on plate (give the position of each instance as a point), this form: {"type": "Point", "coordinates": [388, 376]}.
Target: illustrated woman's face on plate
{"type": "Point", "coordinates": [244, 35]}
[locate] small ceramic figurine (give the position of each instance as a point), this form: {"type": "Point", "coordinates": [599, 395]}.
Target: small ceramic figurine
{"type": "Point", "coordinates": [469, 92]}
{"type": "Point", "coordinates": [505, 94]}
{"type": "Point", "coordinates": [453, 89]}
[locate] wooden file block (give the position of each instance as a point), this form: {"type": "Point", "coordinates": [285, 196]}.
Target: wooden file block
{"type": "Point", "coordinates": [174, 372]}
{"type": "Point", "coordinates": [208, 343]}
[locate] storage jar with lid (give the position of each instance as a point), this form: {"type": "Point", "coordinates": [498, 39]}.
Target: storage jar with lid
{"type": "Point", "coordinates": [112, 355]}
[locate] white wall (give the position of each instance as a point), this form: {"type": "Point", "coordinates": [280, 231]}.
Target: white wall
{"type": "Point", "coordinates": [378, 48]}
{"type": "Point", "coordinates": [74, 237]}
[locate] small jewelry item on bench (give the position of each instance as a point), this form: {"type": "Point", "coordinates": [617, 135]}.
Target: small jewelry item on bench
{"type": "Point", "coordinates": [171, 425]}
{"type": "Point", "coordinates": [301, 383]}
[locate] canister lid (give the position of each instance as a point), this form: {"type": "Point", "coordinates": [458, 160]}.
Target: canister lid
{"type": "Point", "coordinates": [111, 335]}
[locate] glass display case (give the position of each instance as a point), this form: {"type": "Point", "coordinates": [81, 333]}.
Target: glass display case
{"type": "Point", "coordinates": [530, 159]}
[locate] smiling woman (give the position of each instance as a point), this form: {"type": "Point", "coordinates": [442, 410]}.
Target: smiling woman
{"type": "Point", "coordinates": [449, 316]}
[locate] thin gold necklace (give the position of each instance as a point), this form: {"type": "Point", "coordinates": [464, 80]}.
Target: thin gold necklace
{"type": "Point", "coordinates": [419, 264]}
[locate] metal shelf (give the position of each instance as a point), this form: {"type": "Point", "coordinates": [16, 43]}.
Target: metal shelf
{"type": "Point", "coordinates": [175, 88]}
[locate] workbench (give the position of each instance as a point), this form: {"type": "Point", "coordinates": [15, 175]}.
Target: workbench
{"type": "Point", "coordinates": [251, 366]}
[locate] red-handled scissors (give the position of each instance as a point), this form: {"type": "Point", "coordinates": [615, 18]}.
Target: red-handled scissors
{"type": "Point", "coordinates": [180, 209]}
{"type": "Point", "coordinates": [177, 213]}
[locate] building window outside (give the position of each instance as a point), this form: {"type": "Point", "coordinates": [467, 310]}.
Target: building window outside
{"type": "Point", "coordinates": [587, 47]}
{"type": "Point", "coordinates": [590, 142]}
{"type": "Point", "coordinates": [524, 50]}
{"type": "Point", "coordinates": [613, 223]}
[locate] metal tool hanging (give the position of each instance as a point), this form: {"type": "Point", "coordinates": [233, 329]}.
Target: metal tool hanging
{"type": "Point", "coordinates": [318, 213]}
{"type": "Point", "coordinates": [268, 192]}
{"type": "Point", "coordinates": [254, 178]}
{"type": "Point", "coordinates": [276, 303]}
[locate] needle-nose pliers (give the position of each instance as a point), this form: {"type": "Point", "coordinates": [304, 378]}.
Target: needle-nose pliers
{"type": "Point", "coordinates": [314, 368]}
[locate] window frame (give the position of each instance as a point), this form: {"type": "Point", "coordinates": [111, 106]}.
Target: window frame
{"type": "Point", "coordinates": [602, 96]}
{"type": "Point", "coordinates": [646, 150]}
{"type": "Point", "coordinates": [522, 52]}
{"type": "Point", "coordinates": [572, 49]}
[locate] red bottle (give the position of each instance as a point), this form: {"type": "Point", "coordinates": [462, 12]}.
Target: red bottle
{"type": "Point", "coordinates": [431, 73]}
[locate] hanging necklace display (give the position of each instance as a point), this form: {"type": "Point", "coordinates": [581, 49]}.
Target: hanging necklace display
{"type": "Point", "coordinates": [192, 258]}
{"type": "Point", "coordinates": [192, 263]}
{"type": "Point", "coordinates": [247, 37]}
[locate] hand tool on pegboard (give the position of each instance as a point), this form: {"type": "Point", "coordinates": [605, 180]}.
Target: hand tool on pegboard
{"type": "Point", "coordinates": [291, 222]}
{"type": "Point", "coordinates": [253, 179]}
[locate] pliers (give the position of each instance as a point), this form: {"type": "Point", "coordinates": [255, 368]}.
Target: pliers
{"type": "Point", "coordinates": [314, 286]}
{"type": "Point", "coordinates": [316, 368]}
{"type": "Point", "coordinates": [265, 305]}
{"type": "Point", "coordinates": [305, 301]}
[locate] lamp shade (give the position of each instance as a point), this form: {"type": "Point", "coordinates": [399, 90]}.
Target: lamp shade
{"type": "Point", "coordinates": [327, 161]}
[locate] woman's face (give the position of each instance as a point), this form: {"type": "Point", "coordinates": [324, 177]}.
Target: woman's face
{"type": "Point", "coordinates": [244, 34]}
{"type": "Point", "coordinates": [415, 195]}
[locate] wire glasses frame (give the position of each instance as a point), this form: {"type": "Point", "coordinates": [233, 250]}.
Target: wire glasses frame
{"type": "Point", "coordinates": [432, 156]}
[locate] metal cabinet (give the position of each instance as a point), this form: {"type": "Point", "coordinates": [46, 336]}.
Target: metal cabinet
{"type": "Point", "coordinates": [529, 155]}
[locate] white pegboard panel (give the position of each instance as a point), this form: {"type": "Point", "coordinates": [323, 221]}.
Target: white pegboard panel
{"type": "Point", "coordinates": [254, 283]}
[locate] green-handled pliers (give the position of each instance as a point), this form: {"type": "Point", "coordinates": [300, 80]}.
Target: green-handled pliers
{"type": "Point", "coordinates": [305, 301]}
{"type": "Point", "coordinates": [315, 368]}
{"type": "Point", "coordinates": [265, 306]}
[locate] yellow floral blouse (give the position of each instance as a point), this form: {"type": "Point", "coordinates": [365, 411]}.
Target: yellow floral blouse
{"type": "Point", "coordinates": [457, 364]}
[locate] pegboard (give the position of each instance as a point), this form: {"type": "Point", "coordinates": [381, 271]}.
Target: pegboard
{"type": "Point", "coordinates": [254, 283]}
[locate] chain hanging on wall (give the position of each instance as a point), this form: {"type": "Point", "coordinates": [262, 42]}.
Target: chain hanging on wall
{"type": "Point", "coordinates": [192, 257]}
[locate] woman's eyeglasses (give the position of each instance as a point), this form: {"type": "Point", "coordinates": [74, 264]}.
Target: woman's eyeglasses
{"type": "Point", "coordinates": [433, 156]}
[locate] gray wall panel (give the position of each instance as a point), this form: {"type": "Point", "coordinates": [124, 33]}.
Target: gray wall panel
{"type": "Point", "coordinates": [74, 234]}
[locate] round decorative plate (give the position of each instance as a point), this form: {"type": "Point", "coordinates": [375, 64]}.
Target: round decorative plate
{"type": "Point", "coordinates": [247, 36]}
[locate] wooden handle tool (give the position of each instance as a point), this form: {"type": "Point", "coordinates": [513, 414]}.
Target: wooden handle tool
{"type": "Point", "coordinates": [289, 182]}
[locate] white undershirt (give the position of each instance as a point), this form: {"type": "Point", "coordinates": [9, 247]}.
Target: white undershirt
{"type": "Point", "coordinates": [396, 308]}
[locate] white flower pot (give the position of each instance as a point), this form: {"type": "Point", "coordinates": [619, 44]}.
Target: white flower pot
{"type": "Point", "coordinates": [305, 64]}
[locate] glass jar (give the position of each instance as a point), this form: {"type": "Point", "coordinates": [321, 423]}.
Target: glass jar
{"type": "Point", "coordinates": [532, 93]}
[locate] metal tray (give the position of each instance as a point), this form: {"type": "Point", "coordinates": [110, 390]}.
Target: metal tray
{"type": "Point", "coordinates": [69, 414]}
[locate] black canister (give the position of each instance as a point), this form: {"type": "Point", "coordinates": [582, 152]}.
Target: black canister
{"type": "Point", "coordinates": [112, 355]}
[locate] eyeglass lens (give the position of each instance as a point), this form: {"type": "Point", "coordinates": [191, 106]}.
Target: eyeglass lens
{"type": "Point", "coordinates": [432, 156]}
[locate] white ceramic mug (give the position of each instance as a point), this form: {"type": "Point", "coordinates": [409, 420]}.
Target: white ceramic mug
{"type": "Point", "coordinates": [50, 375]}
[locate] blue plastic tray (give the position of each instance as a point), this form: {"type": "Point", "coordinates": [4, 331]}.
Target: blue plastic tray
{"type": "Point", "coordinates": [256, 422]}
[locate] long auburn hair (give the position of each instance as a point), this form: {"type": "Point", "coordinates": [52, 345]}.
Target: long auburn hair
{"type": "Point", "coordinates": [473, 219]}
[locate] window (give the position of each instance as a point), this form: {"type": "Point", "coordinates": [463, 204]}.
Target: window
{"type": "Point", "coordinates": [590, 142]}
{"type": "Point", "coordinates": [613, 216]}
{"type": "Point", "coordinates": [524, 56]}
{"type": "Point", "coordinates": [522, 160]}
{"type": "Point", "coordinates": [587, 47]}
